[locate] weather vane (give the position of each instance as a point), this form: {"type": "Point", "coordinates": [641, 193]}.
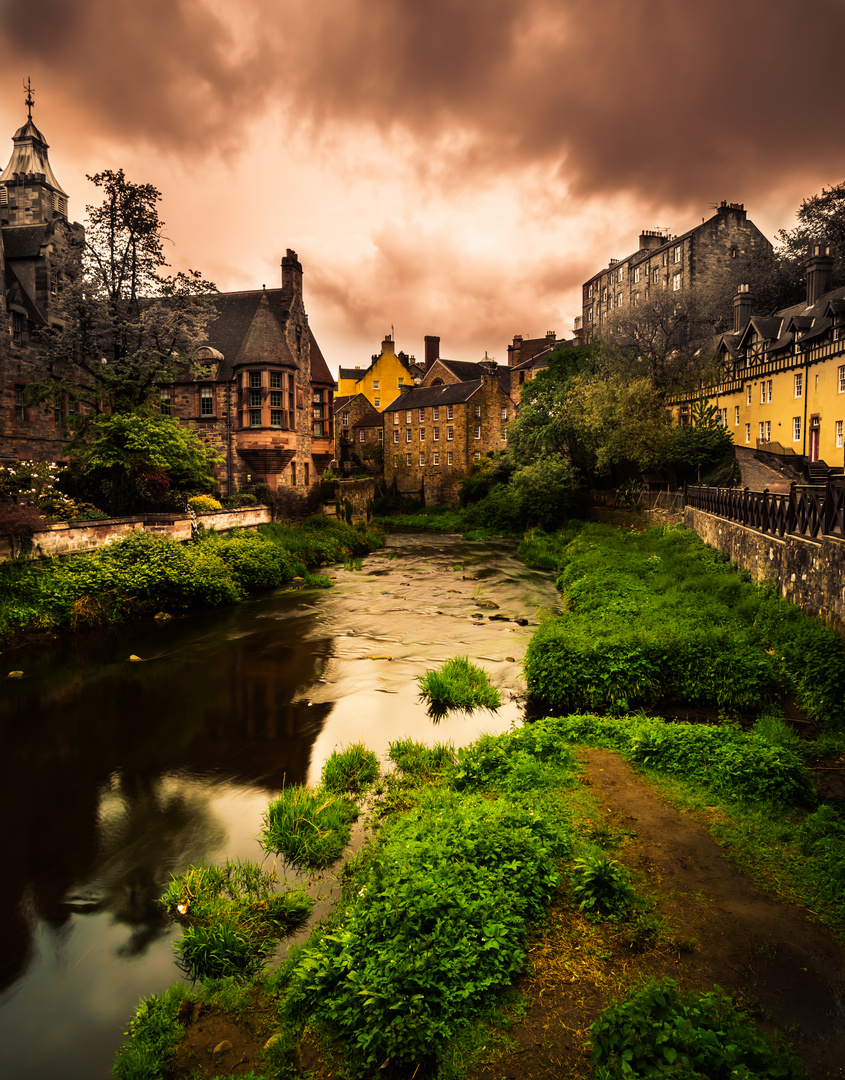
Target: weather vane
{"type": "Point", "coordinates": [29, 102]}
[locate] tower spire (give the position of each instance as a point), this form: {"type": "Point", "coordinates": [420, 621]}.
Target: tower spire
{"type": "Point", "coordinates": [29, 102]}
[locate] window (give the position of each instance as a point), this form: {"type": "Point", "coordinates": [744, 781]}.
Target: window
{"type": "Point", "coordinates": [477, 431]}
{"type": "Point", "coordinates": [476, 456]}
{"type": "Point", "coordinates": [449, 457]}
{"type": "Point", "coordinates": [763, 392]}
{"type": "Point", "coordinates": [678, 253]}
{"type": "Point", "coordinates": [796, 429]}
{"type": "Point", "coordinates": [276, 400]}
{"type": "Point", "coordinates": [395, 461]}
{"type": "Point", "coordinates": [20, 403]}
{"type": "Point", "coordinates": [761, 432]}
{"type": "Point", "coordinates": [380, 435]}
{"type": "Point", "coordinates": [655, 276]}
{"type": "Point", "coordinates": [377, 402]}
{"type": "Point", "coordinates": [620, 273]}
{"type": "Point", "coordinates": [422, 434]}
{"type": "Point", "coordinates": [207, 401]}
{"type": "Point", "coordinates": [293, 474]}
{"type": "Point", "coordinates": [422, 416]}
{"type": "Point", "coordinates": [164, 402]}
{"type": "Point", "coordinates": [839, 433]}
{"type": "Point", "coordinates": [748, 433]}
{"type": "Point", "coordinates": [276, 420]}
{"type": "Point", "coordinates": [769, 392]}
{"type": "Point", "coordinates": [408, 416]}
{"type": "Point", "coordinates": [362, 436]}
{"type": "Point", "coordinates": [435, 413]}
{"type": "Point", "coordinates": [305, 469]}
{"type": "Point", "coordinates": [407, 434]}
{"type": "Point", "coordinates": [589, 294]}
{"type": "Point", "coordinates": [748, 394]}
{"type": "Point", "coordinates": [604, 294]}
{"type": "Point", "coordinates": [799, 383]}
{"type": "Point", "coordinates": [255, 379]}
{"type": "Point", "coordinates": [375, 384]}
{"type": "Point", "coordinates": [396, 436]}
{"type": "Point", "coordinates": [276, 383]}
{"type": "Point", "coordinates": [255, 399]}
{"type": "Point", "coordinates": [636, 275]}
{"type": "Point", "coordinates": [396, 418]}
{"type": "Point", "coordinates": [450, 434]}
{"type": "Point", "coordinates": [436, 460]}
{"type": "Point", "coordinates": [449, 412]}
{"type": "Point", "coordinates": [407, 459]}
{"type": "Point", "coordinates": [841, 377]}
{"type": "Point", "coordinates": [346, 421]}
{"type": "Point", "coordinates": [676, 282]}
{"type": "Point", "coordinates": [665, 258]}
{"type": "Point", "coordinates": [401, 381]}
{"type": "Point", "coordinates": [736, 415]}
{"type": "Point", "coordinates": [435, 434]}
{"type": "Point", "coordinates": [255, 418]}
{"type": "Point", "coordinates": [477, 411]}
{"type": "Point", "coordinates": [504, 414]}
{"type": "Point", "coordinates": [18, 328]}
{"type": "Point", "coordinates": [422, 458]}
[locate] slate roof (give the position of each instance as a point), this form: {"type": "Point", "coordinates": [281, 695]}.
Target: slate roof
{"type": "Point", "coordinates": [370, 419]}
{"type": "Point", "coordinates": [352, 373]}
{"type": "Point", "coordinates": [24, 241]}
{"type": "Point", "coordinates": [422, 397]}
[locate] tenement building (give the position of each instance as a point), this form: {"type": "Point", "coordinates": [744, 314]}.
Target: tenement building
{"type": "Point", "coordinates": [696, 259]}
{"type": "Point", "coordinates": [783, 388]}
{"type": "Point", "coordinates": [387, 373]}
{"type": "Point", "coordinates": [33, 219]}
{"type": "Point", "coordinates": [436, 432]}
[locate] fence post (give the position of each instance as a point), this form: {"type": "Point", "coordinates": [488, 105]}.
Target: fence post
{"type": "Point", "coordinates": [792, 510]}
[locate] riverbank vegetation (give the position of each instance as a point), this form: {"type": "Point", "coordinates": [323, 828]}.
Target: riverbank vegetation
{"type": "Point", "coordinates": [660, 618]}
{"type": "Point", "coordinates": [460, 685]}
{"type": "Point", "coordinates": [145, 574]}
{"type": "Point", "coordinates": [477, 856]}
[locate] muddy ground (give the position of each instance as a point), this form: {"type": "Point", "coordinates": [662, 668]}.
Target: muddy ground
{"type": "Point", "coordinates": [788, 970]}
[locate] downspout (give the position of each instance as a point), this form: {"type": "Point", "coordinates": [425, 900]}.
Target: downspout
{"type": "Point", "coordinates": [806, 399]}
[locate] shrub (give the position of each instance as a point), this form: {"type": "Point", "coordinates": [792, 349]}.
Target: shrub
{"type": "Point", "coordinates": [601, 886]}
{"type": "Point", "coordinates": [204, 504]}
{"type": "Point", "coordinates": [656, 1032]}
{"type": "Point", "coordinates": [256, 563]}
{"type": "Point", "coordinates": [154, 1035]}
{"type": "Point", "coordinates": [419, 762]}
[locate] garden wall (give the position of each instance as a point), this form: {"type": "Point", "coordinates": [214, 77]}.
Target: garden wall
{"type": "Point", "coordinates": [70, 538]}
{"type": "Point", "coordinates": [809, 573]}
{"type": "Point", "coordinates": [353, 500]}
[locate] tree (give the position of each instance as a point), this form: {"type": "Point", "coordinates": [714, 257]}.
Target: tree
{"type": "Point", "coordinates": [120, 325]}
{"type": "Point", "coordinates": [821, 219]}
{"type": "Point", "coordinates": [701, 444]}
{"type": "Point", "coordinates": [128, 459]}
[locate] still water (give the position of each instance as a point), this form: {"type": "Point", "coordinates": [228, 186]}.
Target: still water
{"type": "Point", "coordinates": [116, 774]}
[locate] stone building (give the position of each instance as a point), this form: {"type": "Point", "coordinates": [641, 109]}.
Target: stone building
{"type": "Point", "coordinates": [388, 372]}
{"type": "Point", "coordinates": [265, 400]}
{"type": "Point", "coordinates": [436, 432]}
{"type": "Point", "coordinates": [527, 356]}
{"type": "Point", "coordinates": [783, 390]}
{"type": "Point", "coordinates": [697, 258]}
{"type": "Point", "coordinates": [359, 435]}
{"type": "Point", "coordinates": [33, 219]}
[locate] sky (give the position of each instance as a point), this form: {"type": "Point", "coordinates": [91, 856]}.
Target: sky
{"type": "Point", "coordinates": [447, 167]}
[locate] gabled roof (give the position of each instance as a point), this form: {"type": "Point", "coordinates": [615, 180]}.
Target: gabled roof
{"type": "Point", "coordinates": [422, 397]}
{"type": "Point", "coordinates": [370, 419]}
{"type": "Point", "coordinates": [768, 328]}
{"type": "Point", "coordinates": [25, 241]}
{"type": "Point", "coordinates": [344, 399]}
{"type": "Point", "coordinates": [17, 294]}
{"type": "Point", "coordinates": [352, 373]}
{"type": "Point", "coordinates": [319, 368]}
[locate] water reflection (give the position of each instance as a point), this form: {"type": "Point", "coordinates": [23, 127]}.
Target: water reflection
{"type": "Point", "coordinates": [116, 774]}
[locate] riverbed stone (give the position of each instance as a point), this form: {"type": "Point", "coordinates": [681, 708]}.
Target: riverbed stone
{"type": "Point", "coordinates": [222, 1047]}
{"type": "Point", "coordinates": [498, 618]}
{"type": "Point", "coordinates": [521, 622]}
{"type": "Point", "coordinates": [15, 674]}
{"type": "Point", "coordinates": [486, 604]}
{"type": "Point", "coordinates": [162, 616]}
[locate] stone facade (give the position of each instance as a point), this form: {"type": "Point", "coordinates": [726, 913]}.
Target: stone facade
{"type": "Point", "coordinates": [435, 433]}
{"type": "Point", "coordinates": [808, 573]}
{"type": "Point", "coordinates": [388, 372]}
{"type": "Point", "coordinates": [695, 259]}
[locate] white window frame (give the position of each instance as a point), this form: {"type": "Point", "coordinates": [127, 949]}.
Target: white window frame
{"type": "Point", "coordinates": [450, 434]}
{"type": "Point", "coordinates": [748, 433]}
{"type": "Point", "coordinates": [476, 433]}
{"type": "Point", "coordinates": [679, 253]}
{"type": "Point", "coordinates": [796, 429]}
{"type": "Point", "coordinates": [449, 457]}
{"type": "Point", "coordinates": [799, 384]}
{"type": "Point", "coordinates": [839, 433]}
{"type": "Point", "coordinates": [422, 459]}
{"type": "Point", "coordinates": [840, 374]}
{"type": "Point", "coordinates": [736, 415]}
{"type": "Point", "coordinates": [748, 394]}
{"type": "Point", "coordinates": [436, 460]}
{"type": "Point", "coordinates": [676, 282]}
{"type": "Point", "coordinates": [395, 436]}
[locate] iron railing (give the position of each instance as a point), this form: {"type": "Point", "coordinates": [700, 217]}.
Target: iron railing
{"type": "Point", "coordinates": [805, 510]}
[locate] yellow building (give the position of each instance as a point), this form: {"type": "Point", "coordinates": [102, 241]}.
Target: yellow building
{"type": "Point", "coordinates": [382, 382]}
{"type": "Point", "coordinates": [784, 387]}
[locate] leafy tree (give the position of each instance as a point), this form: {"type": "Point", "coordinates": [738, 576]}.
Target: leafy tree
{"type": "Point", "coordinates": [821, 218]}
{"type": "Point", "coordinates": [128, 459]}
{"type": "Point", "coordinates": [701, 444]}
{"type": "Point", "coordinates": [543, 491]}
{"type": "Point", "coordinates": [120, 325]}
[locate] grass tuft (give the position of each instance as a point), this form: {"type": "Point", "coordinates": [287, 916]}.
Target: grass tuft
{"type": "Point", "coordinates": [459, 685]}
{"type": "Point", "coordinates": [310, 827]}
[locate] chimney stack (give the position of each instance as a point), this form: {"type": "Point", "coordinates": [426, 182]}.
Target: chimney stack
{"type": "Point", "coordinates": [819, 272]}
{"type": "Point", "coordinates": [432, 350]}
{"type": "Point", "coordinates": [292, 273]}
{"type": "Point", "coordinates": [742, 309]}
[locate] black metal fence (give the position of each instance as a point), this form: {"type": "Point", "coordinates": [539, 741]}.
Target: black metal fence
{"type": "Point", "coordinates": [811, 512]}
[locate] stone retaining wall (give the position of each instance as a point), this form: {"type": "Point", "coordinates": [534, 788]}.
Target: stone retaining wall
{"type": "Point", "coordinates": [809, 573]}
{"type": "Point", "coordinates": [71, 538]}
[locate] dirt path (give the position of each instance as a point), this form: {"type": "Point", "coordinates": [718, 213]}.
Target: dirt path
{"type": "Point", "coordinates": [755, 948]}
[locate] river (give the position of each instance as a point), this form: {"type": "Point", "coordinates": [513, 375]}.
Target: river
{"type": "Point", "coordinates": [117, 774]}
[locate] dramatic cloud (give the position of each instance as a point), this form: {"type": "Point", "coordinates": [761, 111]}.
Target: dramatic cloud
{"type": "Point", "coordinates": [448, 153]}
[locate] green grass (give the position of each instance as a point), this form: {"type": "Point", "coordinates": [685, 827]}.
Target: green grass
{"type": "Point", "coordinates": [154, 1034]}
{"type": "Point", "coordinates": [232, 918]}
{"type": "Point", "coordinates": [459, 685]}
{"type": "Point", "coordinates": [350, 771]}
{"type": "Point", "coordinates": [311, 828]}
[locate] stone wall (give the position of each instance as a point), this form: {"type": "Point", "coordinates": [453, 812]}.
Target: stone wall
{"type": "Point", "coordinates": [354, 501]}
{"type": "Point", "coordinates": [809, 573]}
{"type": "Point", "coordinates": [73, 538]}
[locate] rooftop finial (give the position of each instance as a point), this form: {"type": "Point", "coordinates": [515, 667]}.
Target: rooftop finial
{"type": "Point", "coordinates": [29, 102]}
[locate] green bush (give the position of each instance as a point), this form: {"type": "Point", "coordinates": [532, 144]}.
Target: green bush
{"type": "Point", "coordinates": [310, 827]}
{"type": "Point", "coordinates": [350, 771]}
{"type": "Point", "coordinates": [436, 920]}
{"type": "Point", "coordinates": [601, 886]}
{"type": "Point", "coordinates": [656, 1032]}
{"type": "Point", "coordinates": [458, 684]}
{"type": "Point", "coordinates": [204, 504]}
{"type": "Point", "coordinates": [255, 562]}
